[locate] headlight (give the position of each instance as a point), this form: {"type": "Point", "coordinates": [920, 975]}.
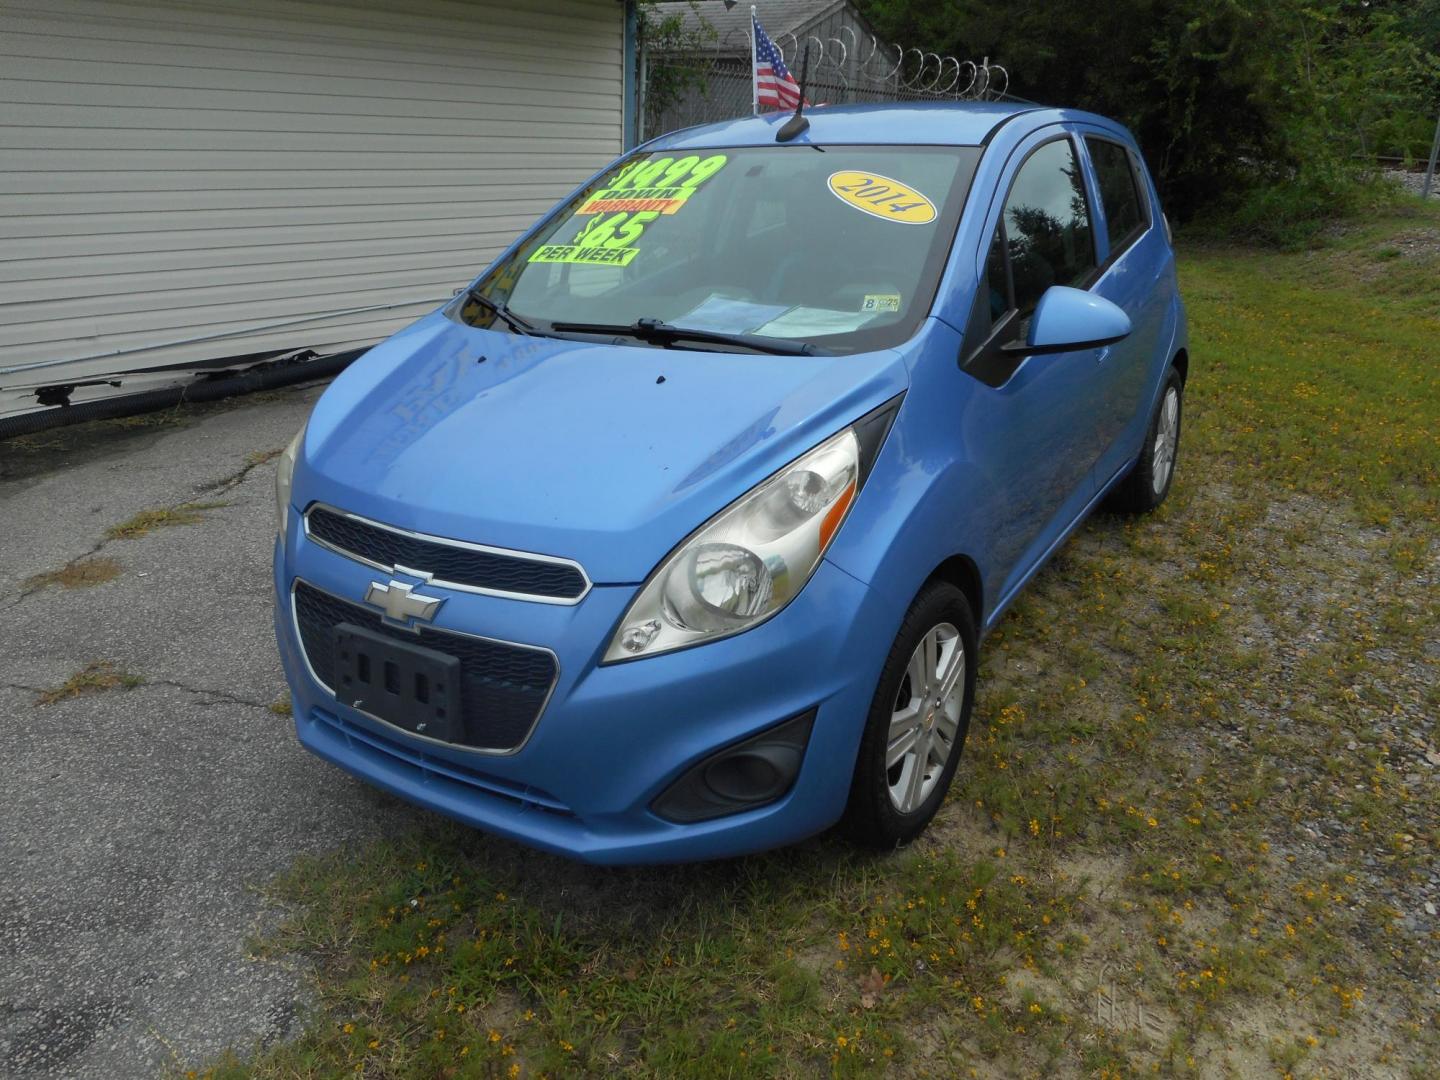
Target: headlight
{"type": "Point", "coordinates": [284, 472]}
{"type": "Point", "coordinates": [755, 556]}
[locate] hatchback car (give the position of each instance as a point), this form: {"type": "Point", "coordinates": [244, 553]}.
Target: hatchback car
{"type": "Point", "coordinates": [674, 536]}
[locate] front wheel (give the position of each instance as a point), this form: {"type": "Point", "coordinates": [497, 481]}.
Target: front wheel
{"type": "Point", "coordinates": [1149, 481]}
{"type": "Point", "coordinates": [917, 723]}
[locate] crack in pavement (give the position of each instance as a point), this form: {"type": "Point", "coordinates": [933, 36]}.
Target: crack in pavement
{"type": "Point", "coordinates": [219, 695]}
{"type": "Point", "coordinates": [214, 487]}
{"type": "Point", "coordinates": [225, 483]}
{"type": "Point", "coordinates": [133, 792]}
{"type": "Point", "coordinates": [24, 593]}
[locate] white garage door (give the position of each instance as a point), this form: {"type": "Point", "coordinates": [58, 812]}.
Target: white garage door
{"type": "Point", "coordinates": [182, 180]}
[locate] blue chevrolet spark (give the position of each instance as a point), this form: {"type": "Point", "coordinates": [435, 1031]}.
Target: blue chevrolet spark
{"type": "Point", "coordinates": [674, 536]}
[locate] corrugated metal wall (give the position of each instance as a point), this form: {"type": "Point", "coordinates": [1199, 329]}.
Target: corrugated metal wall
{"type": "Point", "coordinates": [173, 169]}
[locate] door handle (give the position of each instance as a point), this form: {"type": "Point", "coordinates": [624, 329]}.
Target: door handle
{"type": "Point", "coordinates": [1102, 354]}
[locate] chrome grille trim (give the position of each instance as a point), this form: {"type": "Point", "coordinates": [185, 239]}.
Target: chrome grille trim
{"type": "Point", "coordinates": [458, 545]}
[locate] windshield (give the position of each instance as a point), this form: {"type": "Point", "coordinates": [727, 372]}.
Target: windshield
{"type": "Point", "coordinates": [841, 246]}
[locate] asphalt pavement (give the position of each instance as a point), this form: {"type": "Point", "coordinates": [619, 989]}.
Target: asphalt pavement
{"type": "Point", "coordinates": [138, 823]}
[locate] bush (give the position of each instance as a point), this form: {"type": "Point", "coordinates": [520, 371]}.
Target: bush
{"type": "Point", "coordinates": [1290, 213]}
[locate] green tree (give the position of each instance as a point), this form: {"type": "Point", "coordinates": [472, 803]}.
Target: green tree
{"type": "Point", "coordinates": [1257, 108]}
{"type": "Point", "coordinates": [676, 48]}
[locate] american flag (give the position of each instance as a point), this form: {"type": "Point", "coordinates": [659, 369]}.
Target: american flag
{"type": "Point", "coordinates": [774, 85]}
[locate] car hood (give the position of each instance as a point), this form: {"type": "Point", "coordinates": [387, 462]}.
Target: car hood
{"type": "Point", "coordinates": [609, 455]}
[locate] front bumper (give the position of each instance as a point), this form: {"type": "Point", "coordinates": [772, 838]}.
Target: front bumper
{"type": "Point", "coordinates": [612, 738]}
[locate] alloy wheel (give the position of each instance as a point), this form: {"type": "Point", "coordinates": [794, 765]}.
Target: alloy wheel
{"type": "Point", "coordinates": [1167, 435]}
{"type": "Point", "coordinates": [926, 718]}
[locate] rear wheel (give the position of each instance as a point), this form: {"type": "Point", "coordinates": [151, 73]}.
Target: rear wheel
{"type": "Point", "coordinates": [917, 722]}
{"type": "Point", "coordinates": [1149, 481]}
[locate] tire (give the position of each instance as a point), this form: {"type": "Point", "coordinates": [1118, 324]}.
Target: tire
{"type": "Point", "coordinates": [890, 804]}
{"type": "Point", "coordinates": [1149, 481]}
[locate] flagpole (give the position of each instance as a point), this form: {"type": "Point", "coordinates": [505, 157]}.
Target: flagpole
{"type": "Point", "coordinates": [754, 86]}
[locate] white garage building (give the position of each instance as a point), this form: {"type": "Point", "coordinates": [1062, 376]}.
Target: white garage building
{"type": "Point", "coordinates": [188, 185]}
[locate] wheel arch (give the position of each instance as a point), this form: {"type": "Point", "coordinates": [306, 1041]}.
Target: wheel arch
{"type": "Point", "coordinates": [1181, 363]}
{"type": "Point", "coordinates": [962, 572]}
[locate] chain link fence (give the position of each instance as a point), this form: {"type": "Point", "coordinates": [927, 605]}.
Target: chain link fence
{"type": "Point", "coordinates": [687, 88]}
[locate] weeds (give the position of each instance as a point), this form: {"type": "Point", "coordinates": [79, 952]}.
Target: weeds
{"type": "Point", "coordinates": [78, 574]}
{"type": "Point", "coordinates": [94, 678]}
{"type": "Point", "coordinates": [148, 520]}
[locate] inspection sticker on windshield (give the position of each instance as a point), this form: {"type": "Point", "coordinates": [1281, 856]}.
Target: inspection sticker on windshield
{"type": "Point", "coordinates": [881, 302]}
{"type": "Point", "coordinates": [882, 197]}
{"type": "Point", "coordinates": [590, 255]}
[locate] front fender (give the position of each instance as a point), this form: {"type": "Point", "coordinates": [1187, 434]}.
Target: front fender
{"type": "Point", "coordinates": [928, 493]}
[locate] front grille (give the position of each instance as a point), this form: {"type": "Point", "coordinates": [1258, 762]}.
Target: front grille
{"type": "Point", "coordinates": [446, 563]}
{"type": "Point", "coordinates": [503, 687]}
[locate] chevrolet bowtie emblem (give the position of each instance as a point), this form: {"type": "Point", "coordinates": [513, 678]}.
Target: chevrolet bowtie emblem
{"type": "Point", "coordinates": [401, 605]}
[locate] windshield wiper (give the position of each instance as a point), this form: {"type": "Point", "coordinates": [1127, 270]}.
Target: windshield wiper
{"type": "Point", "coordinates": [515, 322]}
{"type": "Point", "coordinates": [664, 333]}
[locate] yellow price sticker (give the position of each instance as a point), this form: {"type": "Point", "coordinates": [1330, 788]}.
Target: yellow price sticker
{"type": "Point", "coordinates": [661, 185]}
{"type": "Point", "coordinates": [586, 256]}
{"type": "Point", "coordinates": [637, 195]}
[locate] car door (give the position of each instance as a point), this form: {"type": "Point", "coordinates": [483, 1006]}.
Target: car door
{"type": "Point", "coordinates": [1133, 275]}
{"type": "Point", "coordinates": [1033, 419]}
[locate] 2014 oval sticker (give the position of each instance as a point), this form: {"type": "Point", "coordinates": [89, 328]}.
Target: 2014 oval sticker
{"type": "Point", "coordinates": [882, 197]}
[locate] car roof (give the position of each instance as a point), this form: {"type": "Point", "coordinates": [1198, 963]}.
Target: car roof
{"type": "Point", "coordinates": [952, 123]}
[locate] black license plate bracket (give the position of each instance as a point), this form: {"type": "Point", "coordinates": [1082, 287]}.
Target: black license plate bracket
{"type": "Point", "coordinates": [407, 685]}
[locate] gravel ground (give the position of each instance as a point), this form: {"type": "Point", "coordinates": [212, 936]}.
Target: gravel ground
{"type": "Point", "coordinates": [1414, 182]}
{"type": "Point", "coordinates": [138, 821]}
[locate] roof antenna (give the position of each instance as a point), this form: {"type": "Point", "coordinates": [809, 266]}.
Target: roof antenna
{"type": "Point", "coordinates": [797, 123]}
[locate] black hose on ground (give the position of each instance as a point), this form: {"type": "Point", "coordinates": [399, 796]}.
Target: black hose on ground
{"type": "Point", "coordinates": [264, 378]}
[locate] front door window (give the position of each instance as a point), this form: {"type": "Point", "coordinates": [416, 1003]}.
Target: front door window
{"type": "Point", "coordinates": [1047, 224]}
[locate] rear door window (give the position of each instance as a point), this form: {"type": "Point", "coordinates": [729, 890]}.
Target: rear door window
{"type": "Point", "coordinates": [1125, 216]}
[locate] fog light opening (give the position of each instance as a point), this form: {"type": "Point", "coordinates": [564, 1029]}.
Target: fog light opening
{"type": "Point", "coordinates": [746, 775]}
{"type": "Point", "coordinates": [749, 776]}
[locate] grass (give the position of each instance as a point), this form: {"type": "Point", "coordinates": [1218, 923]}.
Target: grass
{"type": "Point", "coordinates": [48, 441]}
{"type": "Point", "coordinates": [147, 521]}
{"type": "Point", "coordinates": [98, 569]}
{"type": "Point", "coordinates": [1193, 834]}
{"type": "Point", "coordinates": [94, 678]}
{"type": "Point", "coordinates": [77, 574]}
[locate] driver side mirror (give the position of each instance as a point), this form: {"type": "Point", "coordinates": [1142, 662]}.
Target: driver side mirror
{"type": "Point", "coordinates": [1069, 320]}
